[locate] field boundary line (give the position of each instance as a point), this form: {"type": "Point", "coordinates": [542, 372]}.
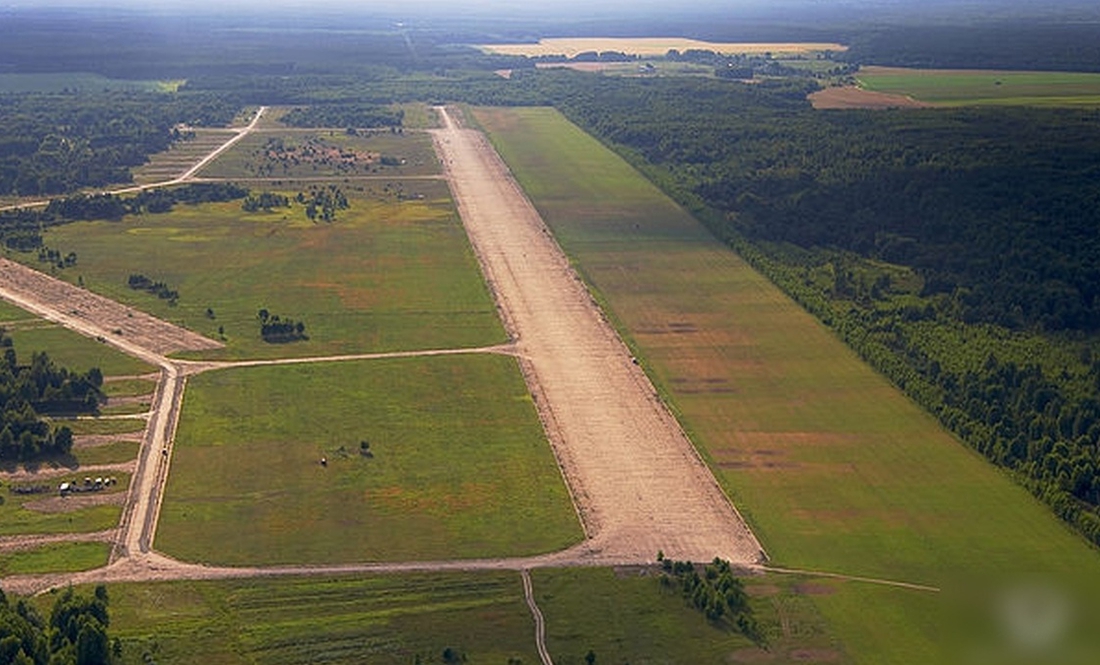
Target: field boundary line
{"type": "Point", "coordinates": [850, 578]}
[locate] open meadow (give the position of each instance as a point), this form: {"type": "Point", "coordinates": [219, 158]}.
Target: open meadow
{"type": "Point", "coordinates": [457, 465]}
{"type": "Point", "coordinates": [392, 272]}
{"type": "Point", "coordinates": [964, 87]}
{"type": "Point", "coordinates": [832, 466]}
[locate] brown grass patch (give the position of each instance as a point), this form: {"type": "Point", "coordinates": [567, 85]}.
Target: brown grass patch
{"type": "Point", "coordinates": [850, 97]}
{"type": "Point", "coordinates": [71, 504]}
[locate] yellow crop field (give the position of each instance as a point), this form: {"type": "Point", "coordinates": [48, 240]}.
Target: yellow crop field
{"type": "Point", "coordinates": [650, 46]}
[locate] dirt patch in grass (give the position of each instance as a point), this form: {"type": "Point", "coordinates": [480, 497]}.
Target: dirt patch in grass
{"type": "Point", "coordinates": [850, 97]}
{"type": "Point", "coordinates": [70, 504]}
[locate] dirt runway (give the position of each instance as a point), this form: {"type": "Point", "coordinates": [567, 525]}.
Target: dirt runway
{"type": "Point", "coordinates": [636, 480]}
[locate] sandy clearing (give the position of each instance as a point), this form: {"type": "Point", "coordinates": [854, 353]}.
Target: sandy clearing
{"type": "Point", "coordinates": [637, 481]}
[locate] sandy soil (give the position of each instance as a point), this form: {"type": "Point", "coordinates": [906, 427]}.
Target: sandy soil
{"type": "Point", "coordinates": [857, 98]}
{"type": "Point", "coordinates": [93, 314]}
{"type": "Point", "coordinates": [637, 481]}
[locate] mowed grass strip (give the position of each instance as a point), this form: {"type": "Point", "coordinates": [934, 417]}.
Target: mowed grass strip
{"type": "Point", "coordinates": [382, 620]}
{"type": "Point", "coordinates": [835, 469]}
{"type": "Point", "coordinates": [54, 558]}
{"type": "Point", "coordinates": [459, 465]}
{"type": "Point", "coordinates": [960, 87]}
{"type": "Point", "coordinates": [387, 274]}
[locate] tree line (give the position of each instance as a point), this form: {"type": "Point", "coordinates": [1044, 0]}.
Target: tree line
{"type": "Point", "coordinates": [74, 634]}
{"type": "Point", "coordinates": [41, 387]}
{"type": "Point", "coordinates": [357, 116]}
{"type": "Point", "coordinates": [56, 143]}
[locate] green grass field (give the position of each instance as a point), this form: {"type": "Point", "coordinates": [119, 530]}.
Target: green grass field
{"type": "Point", "coordinates": [62, 557]}
{"type": "Point", "coordinates": [76, 81]}
{"type": "Point", "coordinates": [460, 465]}
{"type": "Point", "coordinates": [388, 274]}
{"type": "Point", "coordinates": [835, 469]}
{"type": "Point", "coordinates": [960, 87]}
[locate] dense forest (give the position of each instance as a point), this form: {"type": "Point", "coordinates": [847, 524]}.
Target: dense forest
{"type": "Point", "coordinates": [356, 116]}
{"type": "Point", "coordinates": [57, 143]}
{"type": "Point", "coordinates": [41, 387]}
{"type": "Point", "coordinates": [75, 634]}
{"type": "Point", "coordinates": [954, 249]}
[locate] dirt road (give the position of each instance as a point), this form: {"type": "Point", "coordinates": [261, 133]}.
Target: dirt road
{"type": "Point", "coordinates": [637, 481]}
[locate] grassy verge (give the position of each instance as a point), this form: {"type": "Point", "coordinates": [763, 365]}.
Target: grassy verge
{"type": "Point", "coordinates": [457, 452]}
{"type": "Point", "coordinates": [834, 467]}
{"type": "Point", "coordinates": [626, 616]}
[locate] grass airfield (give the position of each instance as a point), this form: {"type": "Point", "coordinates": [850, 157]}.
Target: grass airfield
{"type": "Point", "coordinates": [833, 467]}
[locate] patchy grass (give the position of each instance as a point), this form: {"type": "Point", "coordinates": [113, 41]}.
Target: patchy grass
{"type": "Point", "coordinates": [627, 616]}
{"type": "Point", "coordinates": [391, 273]}
{"type": "Point", "coordinates": [835, 469]}
{"type": "Point", "coordinates": [129, 387]}
{"type": "Point", "coordinates": [457, 454]}
{"type": "Point", "coordinates": [963, 87]}
{"type": "Point", "coordinates": [331, 153]}
{"type": "Point", "coordinates": [380, 619]}
{"type": "Point", "coordinates": [56, 558]}
{"type": "Point", "coordinates": [47, 513]}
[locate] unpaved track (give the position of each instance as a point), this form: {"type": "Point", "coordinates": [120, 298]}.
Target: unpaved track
{"type": "Point", "coordinates": [132, 331]}
{"type": "Point", "coordinates": [637, 481]}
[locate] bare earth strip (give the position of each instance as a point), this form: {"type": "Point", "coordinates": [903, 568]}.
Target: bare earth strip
{"type": "Point", "coordinates": [850, 97]}
{"type": "Point", "coordinates": [94, 315]}
{"type": "Point", "coordinates": [636, 479]}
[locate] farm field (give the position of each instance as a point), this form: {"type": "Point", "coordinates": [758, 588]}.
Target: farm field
{"type": "Point", "coordinates": [76, 81]}
{"type": "Point", "coordinates": [180, 156]}
{"type": "Point", "coordinates": [947, 87]}
{"type": "Point", "coordinates": [833, 467]}
{"type": "Point", "coordinates": [459, 466]}
{"type": "Point", "coordinates": [643, 46]}
{"type": "Point", "coordinates": [392, 272]}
